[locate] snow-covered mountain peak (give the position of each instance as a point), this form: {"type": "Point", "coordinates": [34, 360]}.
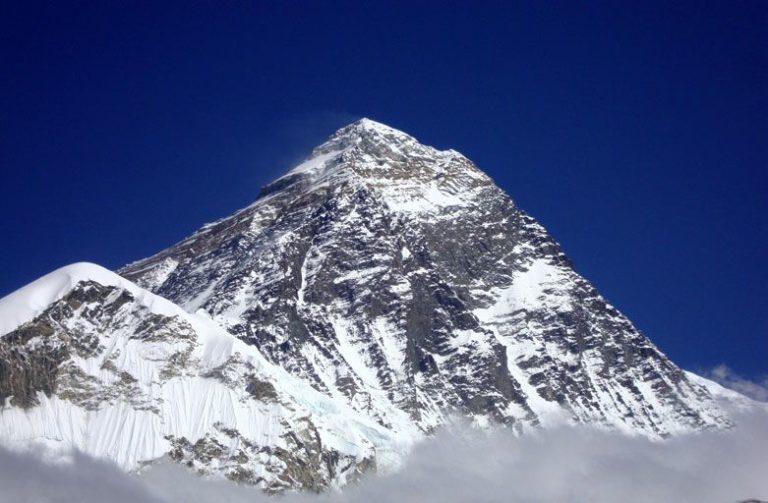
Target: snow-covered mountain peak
{"type": "Point", "coordinates": [389, 165]}
{"type": "Point", "coordinates": [400, 278]}
{"type": "Point", "coordinates": [365, 133]}
{"type": "Point", "coordinates": [369, 141]}
{"type": "Point", "coordinates": [366, 297]}
{"type": "Point", "coordinates": [369, 126]}
{"type": "Point", "coordinates": [22, 305]}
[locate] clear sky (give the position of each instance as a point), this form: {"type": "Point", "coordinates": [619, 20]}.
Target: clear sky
{"type": "Point", "coordinates": [636, 132]}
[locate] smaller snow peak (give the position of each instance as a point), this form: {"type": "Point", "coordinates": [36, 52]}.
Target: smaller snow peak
{"type": "Point", "coordinates": [25, 303]}
{"type": "Point", "coordinates": [85, 271]}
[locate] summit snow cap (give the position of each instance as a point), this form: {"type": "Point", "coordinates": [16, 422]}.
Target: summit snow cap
{"type": "Point", "coordinates": [406, 175]}
{"type": "Point", "coordinates": [369, 126]}
{"type": "Point", "coordinates": [364, 136]}
{"type": "Point", "coordinates": [366, 130]}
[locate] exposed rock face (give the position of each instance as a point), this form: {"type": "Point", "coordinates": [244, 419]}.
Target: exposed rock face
{"type": "Point", "coordinates": [400, 278]}
{"type": "Point", "coordinates": [38, 356]}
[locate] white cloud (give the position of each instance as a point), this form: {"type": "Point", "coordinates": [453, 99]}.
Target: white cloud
{"type": "Point", "coordinates": [757, 390]}
{"type": "Point", "coordinates": [26, 478]}
{"type": "Point", "coordinates": [576, 464]}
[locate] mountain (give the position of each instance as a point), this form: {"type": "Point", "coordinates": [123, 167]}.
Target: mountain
{"type": "Point", "coordinates": [366, 297]}
{"type": "Point", "coordinates": [121, 373]}
{"type": "Point", "coordinates": [98, 363]}
{"type": "Point", "coordinates": [397, 277]}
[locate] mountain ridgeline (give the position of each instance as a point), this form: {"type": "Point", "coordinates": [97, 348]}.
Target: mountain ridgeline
{"type": "Point", "coordinates": [367, 297]}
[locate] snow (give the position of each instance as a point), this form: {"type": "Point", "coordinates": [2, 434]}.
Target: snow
{"type": "Point", "coordinates": [377, 191]}
{"type": "Point", "coordinates": [419, 199]}
{"type": "Point", "coordinates": [190, 405]}
{"type": "Point", "coordinates": [368, 173]}
{"type": "Point", "coordinates": [353, 353]}
{"type": "Point", "coordinates": [536, 287]}
{"type": "Point", "coordinates": [359, 274]}
{"type": "Point", "coordinates": [392, 343]}
{"type": "Point", "coordinates": [733, 399]}
{"type": "Point", "coordinates": [313, 165]}
{"type": "Point", "coordinates": [383, 129]}
{"type": "Point", "coordinates": [26, 303]}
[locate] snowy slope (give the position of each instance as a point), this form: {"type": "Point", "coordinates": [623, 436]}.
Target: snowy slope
{"type": "Point", "coordinates": [399, 278]}
{"type": "Point", "coordinates": [98, 363]}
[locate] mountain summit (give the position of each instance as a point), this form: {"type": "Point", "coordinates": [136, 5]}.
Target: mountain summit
{"type": "Point", "coordinates": [372, 292]}
{"type": "Point", "coordinates": [400, 279]}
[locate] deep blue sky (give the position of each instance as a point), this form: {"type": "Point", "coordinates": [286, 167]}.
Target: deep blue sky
{"type": "Point", "coordinates": [635, 132]}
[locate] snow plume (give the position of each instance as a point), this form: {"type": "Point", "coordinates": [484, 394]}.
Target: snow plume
{"type": "Point", "coordinates": [756, 390]}
{"type": "Point", "coordinates": [577, 464]}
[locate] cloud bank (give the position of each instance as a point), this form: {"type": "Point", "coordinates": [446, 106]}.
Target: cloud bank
{"type": "Point", "coordinates": [756, 390]}
{"type": "Point", "coordinates": [574, 464]}
{"type": "Point", "coordinates": [26, 477]}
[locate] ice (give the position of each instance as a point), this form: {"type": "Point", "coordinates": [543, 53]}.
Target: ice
{"type": "Point", "coordinates": [190, 405]}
